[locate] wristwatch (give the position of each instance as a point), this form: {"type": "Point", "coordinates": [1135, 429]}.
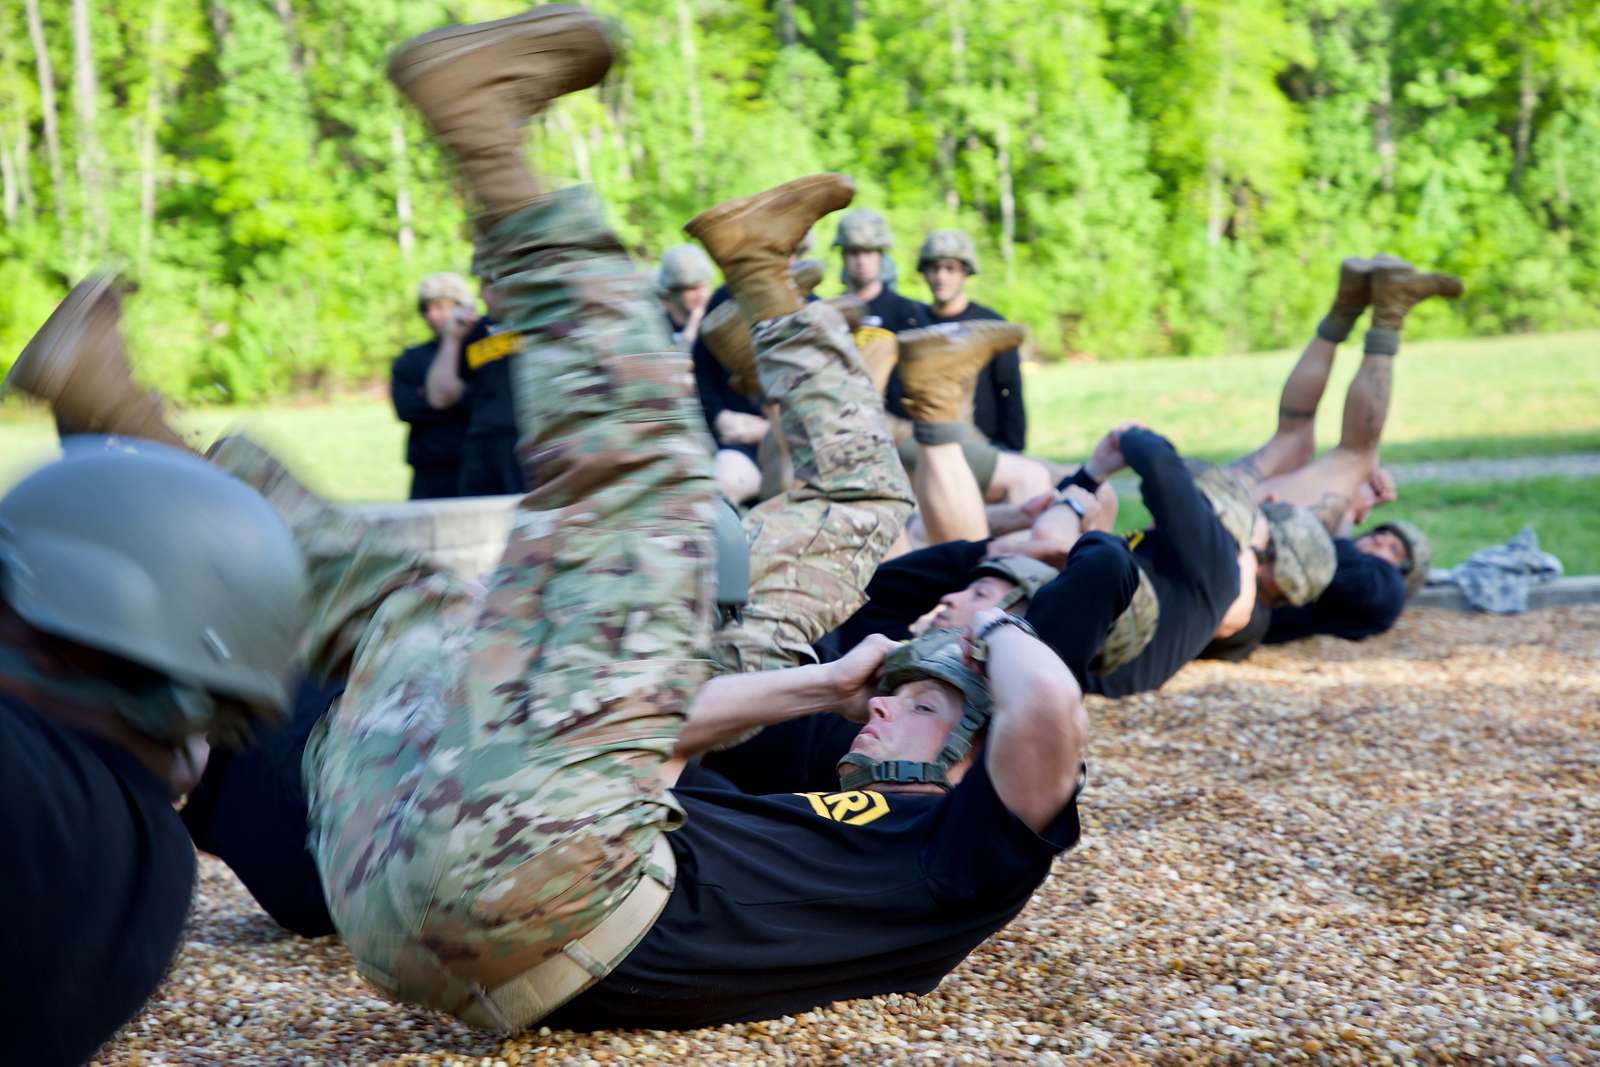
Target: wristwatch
{"type": "Point", "coordinates": [1077, 508]}
{"type": "Point", "coordinates": [980, 639]}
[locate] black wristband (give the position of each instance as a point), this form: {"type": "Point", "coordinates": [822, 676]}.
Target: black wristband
{"type": "Point", "coordinates": [1080, 478]}
{"type": "Point", "coordinates": [980, 639]}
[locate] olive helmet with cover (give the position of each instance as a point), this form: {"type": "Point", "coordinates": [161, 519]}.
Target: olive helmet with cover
{"type": "Point", "coordinates": [1303, 558]}
{"type": "Point", "coordinates": [1028, 574]}
{"type": "Point", "coordinates": [1230, 499]}
{"type": "Point", "coordinates": [863, 229]}
{"type": "Point", "coordinates": [948, 244]}
{"type": "Point", "coordinates": [683, 267]}
{"type": "Point", "coordinates": [149, 553]}
{"type": "Point", "coordinates": [444, 285]}
{"type": "Point", "coordinates": [1419, 553]}
{"type": "Point", "coordinates": [936, 655]}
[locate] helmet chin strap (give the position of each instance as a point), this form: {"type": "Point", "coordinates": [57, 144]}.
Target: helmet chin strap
{"type": "Point", "coordinates": [857, 772]}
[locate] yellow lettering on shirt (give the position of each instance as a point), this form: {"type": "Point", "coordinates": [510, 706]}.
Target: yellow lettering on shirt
{"type": "Point", "coordinates": [1134, 539]}
{"type": "Point", "coordinates": [854, 808]}
{"type": "Point", "coordinates": [495, 346]}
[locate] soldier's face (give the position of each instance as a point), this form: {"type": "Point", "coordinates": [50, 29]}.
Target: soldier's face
{"type": "Point", "coordinates": [912, 723]}
{"type": "Point", "coordinates": [863, 265]}
{"type": "Point", "coordinates": [1386, 545]}
{"type": "Point", "coordinates": [957, 609]}
{"type": "Point", "coordinates": [438, 313]}
{"type": "Point", "coordinates": [685, 302]}
{"type": "Point", "coordinates": [946, 279]}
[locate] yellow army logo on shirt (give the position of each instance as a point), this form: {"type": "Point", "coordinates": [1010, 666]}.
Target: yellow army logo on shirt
{"type": "Point", "coordinates": [1133, 539]}
{"type": "Point", "coordinates": [855, 808]}
{"type": "Point", "coordinates": [495, 346]}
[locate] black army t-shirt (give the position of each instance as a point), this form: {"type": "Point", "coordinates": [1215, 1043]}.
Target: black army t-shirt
{"type": "Point", "coordinates": [790, 901]}
{"type": "Point", "coordinates": [1364, 599]}
{"type": "Point", "coordinates": [98, 877]}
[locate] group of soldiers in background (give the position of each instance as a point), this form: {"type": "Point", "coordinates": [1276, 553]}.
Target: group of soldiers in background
{"type": "Point", "coordinates": [665, 765]}
{"type": "Point", "coordinates": [453, 393]}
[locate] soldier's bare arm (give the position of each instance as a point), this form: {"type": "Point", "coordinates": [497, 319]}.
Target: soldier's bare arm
{"type": "Point", "coordinates": [732, 705]}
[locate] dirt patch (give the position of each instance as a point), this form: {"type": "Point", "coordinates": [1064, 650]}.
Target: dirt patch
{"type": "Point", "coordinates": [1336, 853]}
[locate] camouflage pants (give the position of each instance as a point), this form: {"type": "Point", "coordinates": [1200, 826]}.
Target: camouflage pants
{"type": "Point", "coordinates": [486, 790]}
{"type": "Point", "coordinates": [814, 548]}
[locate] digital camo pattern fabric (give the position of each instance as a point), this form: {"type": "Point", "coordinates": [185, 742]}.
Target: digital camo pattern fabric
{"type": "Point", "coordinates": [814, 548]}
{"type": "Point", "coordinates": [486, 791]}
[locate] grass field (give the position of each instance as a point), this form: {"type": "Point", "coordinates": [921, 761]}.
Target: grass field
{"type": "Point", "coordinates": [1497, 397]}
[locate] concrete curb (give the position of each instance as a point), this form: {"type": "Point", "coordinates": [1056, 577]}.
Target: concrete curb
{"type": "Point", "coordinates": [468, 535]}
{"type": "Point", "coordinates": [1562, 592]}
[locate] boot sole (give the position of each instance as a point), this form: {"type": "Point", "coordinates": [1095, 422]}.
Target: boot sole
{"type": "Point", "coordinates": [436, 48]}
{"type": "Point", "coordinates": [800, 188]}
{"type": "Point", "coordinates": [38, 370]}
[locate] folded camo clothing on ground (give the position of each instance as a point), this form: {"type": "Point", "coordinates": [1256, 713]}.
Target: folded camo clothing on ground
{"type": "Point", "coordinates": [1498, 579]}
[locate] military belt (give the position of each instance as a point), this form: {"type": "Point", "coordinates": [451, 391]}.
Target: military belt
{"type": "Point", "coordinates": [524, 1000]}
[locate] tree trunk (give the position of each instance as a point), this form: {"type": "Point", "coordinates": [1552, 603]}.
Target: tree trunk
{"type": "Point", "coordinates": [47, 105]}
{"type": "Point", "coordinates": [10, 195]}
{"type": "Point", "coordinates": [947, 171]}
{"type": "Point", "coordinates": [148, 131]}
{"type": "Point", "coordinates": [1383, 127]}
{"type": "Point", "coordinates": [579, 148]}
{"type": "Point", "coordinates": [1527, 101]}
{"type": "Point", "coordinates": [1216, 165]}
{"type": "Point", "coordinates": [1008, 199]}
{"type": "Point", "coordinates": [91, 173]}
{"type": "Point", "coordinates": [402, 189]}
{"type": "Point", "coordinates": [787, 34]}
{"type": "Point", "coordinates": [22, 167]}
{"type": "Point", "coordinates": [697, 121]}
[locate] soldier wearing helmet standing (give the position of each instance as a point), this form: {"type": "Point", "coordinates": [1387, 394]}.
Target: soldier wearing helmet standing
{"type": "Point", "coordinates": [147, 602]}
{"type": "Point", "coordinates": [864, 241]}
{"type": "Point", "coordinates": [436, 436]}
{"type": "Point", "coordinates": [946, 261]}
{"type": "Point", "coordinates": [1327, 496]}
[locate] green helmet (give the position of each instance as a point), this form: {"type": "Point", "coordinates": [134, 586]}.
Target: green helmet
{"type": "Point", "coordinates": [948, 244]}
{"type": "Point", "coordinates": [1303, 559]}
{"type": "Point", "coordinates": [683, 267]}
{"type": "Point", "coordinates": [863, 229]}
{"type": "Point", "coordinates": [445, 285]}
{"type": "Point", "coordinates": [1029, 574]}
{"type": "Point", "coordinates": [151, 554]}
{"type": "Point", "coordinates": [936, 655]}
{"type": "Point", "coordinates": [1131, 631]}
{"type": "Point", "coordinates": [1419, 551]}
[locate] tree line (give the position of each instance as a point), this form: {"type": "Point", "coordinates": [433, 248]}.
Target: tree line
{"type": "Point", "coordinates": [1142, 177]}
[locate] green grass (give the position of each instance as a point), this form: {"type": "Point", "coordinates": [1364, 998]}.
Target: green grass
{"type": "Point", "coordinates": [1503, 396]}
{"type": "Point", "coordinates": [1508, 396]}
{"type": "Point", "coordinates": [1462, 517]}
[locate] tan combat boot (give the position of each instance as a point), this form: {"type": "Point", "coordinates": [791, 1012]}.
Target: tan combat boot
{"type": "Point", "coordinates": [478, 85]}
{"type": "Point", "coordinates": [1349, 301]}
{"type": "Point", "coordinates": [939, 366]}
{"type": "Point", "coordinates": [78, 365]}
{"type": "Point", "coordinates": [1398, 289]}
{"type": "Point", "coordinates": [850, 307]}
{"type": "Point", "coordinates": [807, 275]}
{"type": "Point", "coordinates": [752, 238]}
{"type": "Point", "coordinates": [727, 335]}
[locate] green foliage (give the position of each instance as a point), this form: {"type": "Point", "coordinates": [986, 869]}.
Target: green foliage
{"type": "Point", "coordinates": [1142, 177]}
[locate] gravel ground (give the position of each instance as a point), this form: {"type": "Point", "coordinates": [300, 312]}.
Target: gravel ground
{"type": "Point", "coordinates": [1337, 853]}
